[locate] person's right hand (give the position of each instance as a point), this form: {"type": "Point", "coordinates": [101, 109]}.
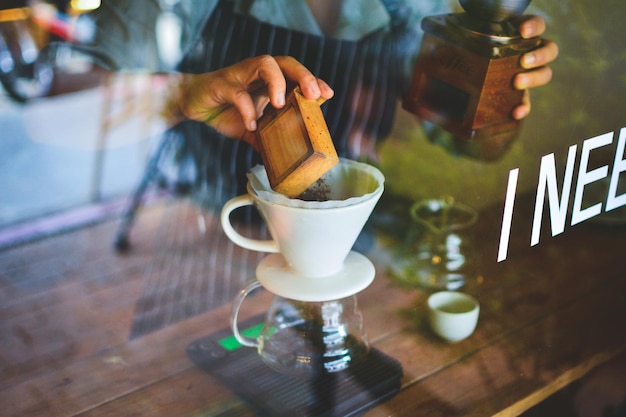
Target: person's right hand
{"type": "Point", "coordinates": [535, 63]}
{"type": "Point", "coordinates": [233, 98]}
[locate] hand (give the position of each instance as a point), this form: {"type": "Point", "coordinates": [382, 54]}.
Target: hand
{"type": "Point", "coordinates": [535, 62]}
{"type": "Point", "coordinates": [233, 98]}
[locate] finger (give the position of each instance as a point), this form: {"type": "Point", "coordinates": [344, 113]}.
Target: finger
{"type": "Point", "coordinates": [235, 94]}
{"type": "Point", "coordinates": [530, 26]}
{"type": "Point", "coordinates": [326, 91]}
{"type": "Point", "coordinates": [244, 104]}
{"type": "Point", "coordinates": [269, 71]}
{"type": "Point", "coordinates": [541, 56]}
{"type": "Point", "coordinates": [298, 73]}
{"type": "Point", "coordinates": [250, 106]}
{"type": "Point", "coordinates": [530, 79]}
{"type": "Point", "coordinates": [234, 85]}
{"type": "Point", "coordinates": [523, 109]}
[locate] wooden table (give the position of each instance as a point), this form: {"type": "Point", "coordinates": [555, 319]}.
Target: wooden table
{"type": "Point", "coordinates": [549, 314]}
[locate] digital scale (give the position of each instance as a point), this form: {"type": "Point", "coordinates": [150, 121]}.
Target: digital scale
{"type": "Point", "coordinates": [347, 393]}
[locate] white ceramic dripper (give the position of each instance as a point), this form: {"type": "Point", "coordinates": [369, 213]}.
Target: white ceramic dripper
{"type": "Point", "coordinates": [312, 240]}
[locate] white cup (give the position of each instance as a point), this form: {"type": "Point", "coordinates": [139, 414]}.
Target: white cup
{"type": "Point", "coordinates": [314, 241]}
{"type": "Point", "coordinates": [452, 315]}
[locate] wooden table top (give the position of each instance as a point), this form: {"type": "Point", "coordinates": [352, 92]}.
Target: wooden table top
{"type": "Point", "coordinates": [549, 314]}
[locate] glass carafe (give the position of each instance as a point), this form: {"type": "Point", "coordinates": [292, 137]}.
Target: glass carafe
{"type": "Point", "coordinates": [439, 254]}
{"type": "Point", "coordinates": [303, 338]}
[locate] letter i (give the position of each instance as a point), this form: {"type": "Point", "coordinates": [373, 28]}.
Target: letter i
{"type": "Point", "coordinates": [507, 217]}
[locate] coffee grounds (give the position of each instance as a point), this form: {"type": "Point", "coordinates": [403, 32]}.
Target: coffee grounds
{"type": "Point", "coordinates": [319, 191]}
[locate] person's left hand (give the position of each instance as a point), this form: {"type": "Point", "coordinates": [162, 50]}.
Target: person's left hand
{"type": "Point", "coordinates": [537, 72]}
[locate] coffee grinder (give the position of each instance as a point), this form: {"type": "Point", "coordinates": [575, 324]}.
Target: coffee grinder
{"type": "Point", "coordinates": [463, 78]}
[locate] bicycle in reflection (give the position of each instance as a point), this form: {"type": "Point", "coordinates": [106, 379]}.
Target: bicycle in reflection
{"type": "Point", "coordinates": [36, 38]}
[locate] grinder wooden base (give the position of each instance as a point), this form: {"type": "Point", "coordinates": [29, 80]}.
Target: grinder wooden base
{"type": "Point", "coordinates": [295, 144]}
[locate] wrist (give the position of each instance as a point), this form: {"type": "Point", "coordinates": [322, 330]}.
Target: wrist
{"type": "Point", "coordinates": [173, 110]}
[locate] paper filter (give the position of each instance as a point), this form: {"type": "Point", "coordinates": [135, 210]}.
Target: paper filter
{"type": "Point", "coordinates": [349, 182]}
